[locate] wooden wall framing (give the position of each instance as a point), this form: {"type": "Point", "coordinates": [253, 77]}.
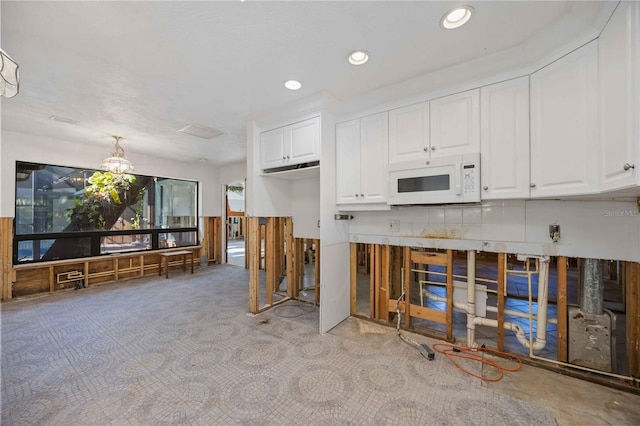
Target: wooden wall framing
{"type": "Point", "coordinates": [42, 277]}
{"type": "Point", "coordinates": [212, 239]}
{"type": "Point", "coordinates": [283, 255]}
{"type": "Point", "coordinates": [632, 306]}
{"type": "Point", "coordinates": [6, 257]}
{"type": "Point", "coordinates": [384, 264]}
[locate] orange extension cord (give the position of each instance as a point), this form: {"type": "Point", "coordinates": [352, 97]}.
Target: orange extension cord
{"type": "Point", "coordinates": [475, 354]}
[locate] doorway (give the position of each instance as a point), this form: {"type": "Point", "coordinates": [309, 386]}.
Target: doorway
{"type": "Point", "coordinates": [235, 227]}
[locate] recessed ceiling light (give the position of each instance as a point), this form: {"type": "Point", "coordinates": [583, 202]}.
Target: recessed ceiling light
{"type": "Point", "coordinates": [456, 18]}
{"type": "Point", "coordinates": [358, 57]}
{"type": "Point", "coordinates": [292, 84]}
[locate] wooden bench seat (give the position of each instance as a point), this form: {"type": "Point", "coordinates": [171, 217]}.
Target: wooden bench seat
{"type": "Point", "coordinates": [169, 254]}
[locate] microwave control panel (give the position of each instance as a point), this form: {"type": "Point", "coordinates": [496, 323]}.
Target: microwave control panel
{"type": "Point", "coordinates": [469, 178]}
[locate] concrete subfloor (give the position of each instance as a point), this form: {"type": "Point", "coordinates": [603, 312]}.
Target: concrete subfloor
{"type": "Point", "coordinates": [185, 351]}
{"type": "Point", "coordinates": [236, 252]}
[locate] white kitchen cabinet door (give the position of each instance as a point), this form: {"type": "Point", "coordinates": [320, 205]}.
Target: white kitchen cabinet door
{"type": "Point", "coordinates": [348, 162]}
{"type": "Point", "coordinates": [504, 138]}
{"type": "Point", "coordinates": [619, 85]}
{"type": "Point", "coordinates": [455, 124]}
{"type": "Point", "coordinates": [374, 151]}
{"type": "Point", "coordinates": [409, 133]}
{"type": "Point", "coordinates": [304, 141]}
{"type": "Point", "coordinates": [564, 131]}
{"type": "Point", "coordinates": [272, 148]}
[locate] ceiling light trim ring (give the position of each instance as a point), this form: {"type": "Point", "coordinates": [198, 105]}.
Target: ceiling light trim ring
{"type": "Point", "coordinates": [292, 84]}
{"type": "Point", "coordinates": [456, 17]}
{"type": "Point", "coordinates": [358, 57]}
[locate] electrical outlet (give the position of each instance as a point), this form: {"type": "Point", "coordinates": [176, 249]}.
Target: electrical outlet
{"type": "Point", "coordinates": [394, 225]}
{"type": "Point", "coordinates": [554, 233]}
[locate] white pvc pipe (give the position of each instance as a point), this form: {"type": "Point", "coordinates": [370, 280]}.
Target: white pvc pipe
{"type": "Point", "coordinates": [471, 297]}
{"type": "Point", "coordinates": [464, 307]}
{"type": "Point", "coordinates": [519, 314]}
{"type": "Point", "coordinates": [543, 300]}
{"type": "Point", "coordinates": [520, 334]}
{"type": "Point", "coordinates": [473, 320]}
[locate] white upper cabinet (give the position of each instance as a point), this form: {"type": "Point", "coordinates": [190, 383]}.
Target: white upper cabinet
{"type": "Point", "coordinates": [619, 85]}
{"type": "Point", "coordinates": [290, 145]}
{"type": "Point", "coordinates": [455, 124]}
{"type": "Point", "coordinates": [272, 148]}
{"type": "Point", "coordinates": [361, 160]}
{"type": "Point", "coordinates": [504, 135]}
{"type": "Point", "coordinates": [305, 141]}
{"type": "Point", "coordinates": [348, 162]}
{"type": "Point", "coordinates": [374, 157]}
{"type": "Point", "coordinates": [564, 131]}
{"type": "Point", "coordinates": [409, 133]}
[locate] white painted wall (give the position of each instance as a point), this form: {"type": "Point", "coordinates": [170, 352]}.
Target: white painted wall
{"type": "Point", "coordinates": [334, 237]}
{"type": "Point", "coordinates": [595, 229]}
{"type": "Point", "coordinates": [21, 147]}
{"type": "Point", "coordinates": [232, 173]}
{"type": "Point", "coordinates": [306, 208]}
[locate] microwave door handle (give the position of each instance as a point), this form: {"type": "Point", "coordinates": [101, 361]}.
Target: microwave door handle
{"type": "Point", "coordinates": [458, 177]}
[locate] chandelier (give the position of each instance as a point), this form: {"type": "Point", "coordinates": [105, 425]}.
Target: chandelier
{"type": "Point", "coordinates": [9, 76]}
{"type": "Point", "coordinates": [117, 163]}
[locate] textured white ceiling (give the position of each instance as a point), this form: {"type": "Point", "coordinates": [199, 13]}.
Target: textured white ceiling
{"type": "Point", "coordinates": [143, 70]}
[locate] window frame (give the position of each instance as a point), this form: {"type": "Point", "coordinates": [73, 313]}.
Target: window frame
{"type": "Point", "coordinates": [97, 235]}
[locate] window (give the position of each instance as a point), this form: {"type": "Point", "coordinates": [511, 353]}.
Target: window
{"type": "Point", "coordinates": [67, 213]}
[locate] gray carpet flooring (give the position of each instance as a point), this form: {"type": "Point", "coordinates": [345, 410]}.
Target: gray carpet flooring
{"type": "Point", "coordinates": [185, 351]}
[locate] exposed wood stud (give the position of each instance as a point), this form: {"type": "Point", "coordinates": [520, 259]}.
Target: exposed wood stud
{"type": "Point", "coordinates": [385, 290]}
{"type": "Point", "coordinates": [632, 305]}
{"type": "Point", "coordinates": [254, 264]}
{"type": "Point", "coordinates": [316, 244]}
{"type": "Point", "coordinates": [407, 287]}
{"type": "Point", "coordinates": [52, 284]}
{"type": "Point", "coordinates": [354, 250]}
{"type": "Point", "coordinates": [561, 264]}
{"type": "Point", "coordinates": [270, 259]}
{"type": "Point", "coordinates": [278, 258]}
{"type": "Point", "coordinates": [290, 258]}
{"type": "Point", "coordinates": [501, 294]}
{"type": "Point", "coordinates": [372, 281]}
{"type": "Point", "coordinates": [396, 272]}
{"type": "Point", "coordinates": [449, 315]}
{"type": "Point", "coordinates": [299, 258]}
{"type": "Point", "coordinates": [6, 257]}
{"type": "Point", "coordinates": [86, 274]}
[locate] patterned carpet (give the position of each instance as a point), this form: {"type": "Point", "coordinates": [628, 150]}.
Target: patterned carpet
{"type": "Point", "coordinates": [184, 351]}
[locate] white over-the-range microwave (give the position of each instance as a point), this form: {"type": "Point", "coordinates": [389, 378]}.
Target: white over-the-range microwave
{"type": "Point", "coordinates": [441, 180]}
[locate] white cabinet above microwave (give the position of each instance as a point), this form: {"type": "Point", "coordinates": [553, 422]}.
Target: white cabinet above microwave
{"type": "Point", "coordinates": [449, 125]}
{"type": "Point", "coordinates": [443, 180]}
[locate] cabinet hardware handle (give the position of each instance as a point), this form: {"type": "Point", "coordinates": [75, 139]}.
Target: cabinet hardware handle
{"type": "Point", "coordinates": [628, 166]}
{"type": "Point", "coordinates": [357, 195]}
{"type": "Point", "coordinates": [284, 158]}
{"type": "Point", "coordinates": [485, 187]}
{"type": "Point", "coordinates": [533, 185]}
{"type": "Point", "coordinates": [362, 195]}
{"type": "Point", "coordinates": [433, 148]}
{"type": "Point", "coordinates": [287, 157]}
{"type": "Point", "coordinates": [425, 149]}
